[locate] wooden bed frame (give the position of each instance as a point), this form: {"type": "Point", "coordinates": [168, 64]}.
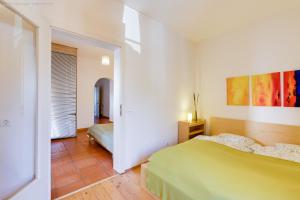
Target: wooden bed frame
{"type": "Point", "coordinates": [263, 133]}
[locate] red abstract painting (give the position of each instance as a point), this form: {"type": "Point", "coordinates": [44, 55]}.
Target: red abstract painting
{"type": "Point", "coordinates": [292, 88]}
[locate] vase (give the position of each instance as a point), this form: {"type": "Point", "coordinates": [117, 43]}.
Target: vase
{"type": "Point", "coordinates": [196, 116]}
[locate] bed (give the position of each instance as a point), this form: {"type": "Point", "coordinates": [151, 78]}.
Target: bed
{"type": "Point", "coordinates": [205, 170]}
{"type": "Point", "coordinates": [103, 134]}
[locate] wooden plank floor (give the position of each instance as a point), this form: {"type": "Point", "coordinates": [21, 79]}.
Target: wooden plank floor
{"type": "Point", "coordinates": [76, 164]}
{"type": "Point", "coordinates": [120, 187]}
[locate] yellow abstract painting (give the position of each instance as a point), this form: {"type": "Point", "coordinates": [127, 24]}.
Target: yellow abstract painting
{"type": "Point", "coordinates": [238, 91]}
{"type": "Point", "coordinates": [266, 90]}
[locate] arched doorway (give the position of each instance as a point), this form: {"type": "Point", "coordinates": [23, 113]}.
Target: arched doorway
{"type": "Point", "coordinates": [103, 101]}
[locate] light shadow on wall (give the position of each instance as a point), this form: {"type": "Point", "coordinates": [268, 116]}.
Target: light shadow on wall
{"type": "Point", "coordinates": [132, 28]}
{"type": "Point", "coordinates": [18, 30]}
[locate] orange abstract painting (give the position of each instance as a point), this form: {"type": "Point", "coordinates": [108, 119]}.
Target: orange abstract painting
{"type": "Point", "coordinates": [266, 90]}
{"type": "Point", "coordinates": [238, 91]}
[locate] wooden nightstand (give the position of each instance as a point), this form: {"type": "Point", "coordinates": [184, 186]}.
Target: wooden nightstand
{"type": "Point", "coordinates": [188, 130]}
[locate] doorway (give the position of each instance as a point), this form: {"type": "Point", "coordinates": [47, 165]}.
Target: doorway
{"type": "Point", "coordinates": [103, 101]}
{"type": "Point", "coordinates": [35, 58]}
{"type": "Point", "coordinates": [80, 161]}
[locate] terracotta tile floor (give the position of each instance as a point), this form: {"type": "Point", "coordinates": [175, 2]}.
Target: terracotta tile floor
{"type": "Point", "coordinates": [101, 120]}
{"type": "Point", "coordinates": [76, 164]}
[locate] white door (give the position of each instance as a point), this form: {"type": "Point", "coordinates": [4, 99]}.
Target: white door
{"type": "Point", "coordinates": [24, 103]}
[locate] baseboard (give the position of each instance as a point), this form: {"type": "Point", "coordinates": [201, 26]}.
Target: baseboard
{"type": "Point", "coordinates": [80, 130]}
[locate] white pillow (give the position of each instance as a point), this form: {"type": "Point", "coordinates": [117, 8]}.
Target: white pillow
{"type": "Point", "coordinates": [238, 139]}
{"type": "Point", "coordinates": [227, 141]}
{"type": "Point", "coordinates": [288, 147]}
{"type": "Point", "coordinates": [278, 152]}
{"type": "Point", "coordinates": [256, 147]}
{"type": "Point", "coordinates": [292, 156]}
{"type": "Point", "coordinates": [205, 137]}
{"type": "Point", "coordinates": [233, 144]}
{"type": "Point", "coordinates": [267, 151]}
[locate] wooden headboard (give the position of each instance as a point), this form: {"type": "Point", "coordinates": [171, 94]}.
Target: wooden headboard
{"type": "Point", "coordinates": [264, 133]}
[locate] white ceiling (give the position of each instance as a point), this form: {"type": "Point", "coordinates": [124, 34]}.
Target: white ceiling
{"type": "Point", "coordinates": [201, 19]}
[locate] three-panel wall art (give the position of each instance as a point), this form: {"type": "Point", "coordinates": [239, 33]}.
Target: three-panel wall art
{"type": "Point", "coordinates": [265, 90]}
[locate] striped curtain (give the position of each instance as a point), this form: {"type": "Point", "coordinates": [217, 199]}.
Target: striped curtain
{"type": "Point", "coordinates": [63, 95]}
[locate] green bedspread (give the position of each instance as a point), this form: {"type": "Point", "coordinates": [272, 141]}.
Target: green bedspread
{"type": "Point", "coordinates": [204, 170]}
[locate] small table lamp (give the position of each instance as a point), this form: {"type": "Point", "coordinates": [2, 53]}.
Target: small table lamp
{"type": "Point", "coordinates": [189, 117]}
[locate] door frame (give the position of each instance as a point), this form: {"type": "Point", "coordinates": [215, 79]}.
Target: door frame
{"type": "Point", "coordinates": [39, 187]}
{"type": "Point", "coordinates": [117, 48]}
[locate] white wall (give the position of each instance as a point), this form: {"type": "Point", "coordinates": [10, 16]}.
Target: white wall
{"type": "Point", "coordinates": [158, 89]}
{"type": "Point", "coordinates": [157, 70]}
{"type": "Point", "coordinates": [89, 71]}
{"type": "Point", "coordinates": [273, 45]}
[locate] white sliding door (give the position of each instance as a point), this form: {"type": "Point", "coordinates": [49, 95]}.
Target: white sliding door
{"type": "Point", "coordinates": [24, 113]}
{"type": "Point", "coordinates": [18, 107]}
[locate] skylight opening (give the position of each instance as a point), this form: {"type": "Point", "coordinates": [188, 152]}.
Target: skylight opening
{"type": "Point", "coordinates": [132, 28]}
